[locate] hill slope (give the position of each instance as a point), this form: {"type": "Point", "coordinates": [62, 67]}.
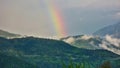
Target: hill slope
{"type": "Point", "coordinates": [48, 53]}
{"type": "Point", "coordinates": [84, 41]}
{"type": "Point", "coordinates": [13, 62]}
{"type": "Point", "coordinates": [7, 34]}
{"type": "Point", "coordinates": [94, 42]}
{"type": "Point", "coordinates": [109, 30]}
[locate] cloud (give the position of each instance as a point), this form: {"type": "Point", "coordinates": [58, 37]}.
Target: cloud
{"type": "Point", "coordinates": [86, 37]}
{"type": "Point", "coordinates": [113, 41]}
{"type": "Point", "coordinates": [106, 44]}
{"type": "Point", "coordinates": [69, 40]}
{"type": "Point", "coordinates": [89, 3]}
{"type": "Point", "coordinates": [75, 3]}
{"type": "Point", "coordinates": [117, 15]}
{"type": "Point", "coordinates": [27, 17]}
{"type": "Point", "coordinates": [92, 43]}
{"type": "Point", "coordinates": [32, 17]}
{"type": "Point", "coordinates": [106, 4]}
{"type": "Point", "coordinates": [106, 47]}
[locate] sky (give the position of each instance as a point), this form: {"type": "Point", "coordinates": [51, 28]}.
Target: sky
{"type": "Point", "coordinates": [32, 17]}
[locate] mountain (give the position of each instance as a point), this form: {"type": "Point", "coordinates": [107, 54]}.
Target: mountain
{"type": "Point", "coordinates": [49, 53]}
{"type": "Point", "coordinates": [113, 30]}
{"type": "Point", "coordinates": [8, 34]}
{"type": "Point", "coordinates": [84, 41]}
{"type": "Point", "coordinates": [94, 42]}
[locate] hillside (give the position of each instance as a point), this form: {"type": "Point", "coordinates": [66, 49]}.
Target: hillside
{"type": "Point", "coordinates": [84, 41]}
{"type": "Point", "coordinates": [48, 53]}
{"type": "Point", "coordinates": [113, 30]}
{"type": "Point", "coordinates": [13, 62]}
{"type": "Point", "coordinates": [94, 42]}
{"type": "Point", "coordinates": [8, 34]}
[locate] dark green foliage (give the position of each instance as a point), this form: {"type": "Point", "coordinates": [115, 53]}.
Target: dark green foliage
{"type": "Point", "coordinates": [115, 63]}
{"type": "Point", "coordinates": [14, 62]}
{"type": "Point", "coordinates": [106, 64]}
{"type": "Point", "coordinates": [48, 53]}
{"type": "Point", "coordinates": [71, 64]}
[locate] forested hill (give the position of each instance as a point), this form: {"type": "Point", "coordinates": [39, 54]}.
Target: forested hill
{"type": "Point", "coordinates": [48, 53]}
{"type": "Point", "coordinates": [7, 61]}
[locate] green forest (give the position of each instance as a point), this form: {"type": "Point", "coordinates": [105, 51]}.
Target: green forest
{"type": "Point", "coordinates": [31, 52]}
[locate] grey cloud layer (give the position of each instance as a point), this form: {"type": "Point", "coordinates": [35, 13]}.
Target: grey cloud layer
{"type": "Point", "coordinates": [31, 16]}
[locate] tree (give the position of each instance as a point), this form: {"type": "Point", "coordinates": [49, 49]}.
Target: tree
{"type": "Point", "coordinates": [106, 64]}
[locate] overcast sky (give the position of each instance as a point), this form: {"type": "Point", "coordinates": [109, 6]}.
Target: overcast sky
{"type": "Point", "coordinates": [30, 17]}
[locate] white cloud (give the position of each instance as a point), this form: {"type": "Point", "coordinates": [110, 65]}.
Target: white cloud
{"type": "Point", "coordinates": [69, 40]}
{"type": "Point", "coordinates": [106, 44]}
{"type": "Point", "coordinates": [86, 37]}
{"type": "Point", "coordinates": [117, 15]}
{"type": "Point", "coordinates": [113, 41]}
{"type": "Point", "coordinates": [92, 43]}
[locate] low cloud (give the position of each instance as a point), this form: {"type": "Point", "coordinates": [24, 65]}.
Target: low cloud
{"type": "Point", "coordinates": [70, 40]}
{"type": "Point", "coordinates": [116, 15]}
{"type": "Point", "coordinates": [113, 41]}
{"type": "Point", "coordinates": [106, 44]}
{"type": "Point", "coordinates": [87, 37]}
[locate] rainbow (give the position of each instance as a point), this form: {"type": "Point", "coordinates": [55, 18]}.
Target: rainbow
{"type": "Point", "coordinates": [56, 18]}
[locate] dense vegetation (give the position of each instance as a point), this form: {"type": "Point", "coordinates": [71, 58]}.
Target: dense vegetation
{"type": "Point", "coordinates": [48, 53]}
{"type": "Point", "coordinates": [14, 62]}
{"type": "Point", "coordinates": [106, 64]}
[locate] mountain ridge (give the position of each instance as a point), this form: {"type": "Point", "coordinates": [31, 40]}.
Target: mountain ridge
{"type": "Point", "coordinates": [8, 34]}
{"type": "Point", "coordinates": [113, 30]}
{"type": "Point", "coordinates": [92, 42]}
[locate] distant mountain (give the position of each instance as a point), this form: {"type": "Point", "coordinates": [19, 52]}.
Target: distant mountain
{"type": "Point", "coordinates": [48, 53]}
{"type": "Point", "coordinates": [8, 34]}
{"type": "Point", "coordinates": [113, 30]}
